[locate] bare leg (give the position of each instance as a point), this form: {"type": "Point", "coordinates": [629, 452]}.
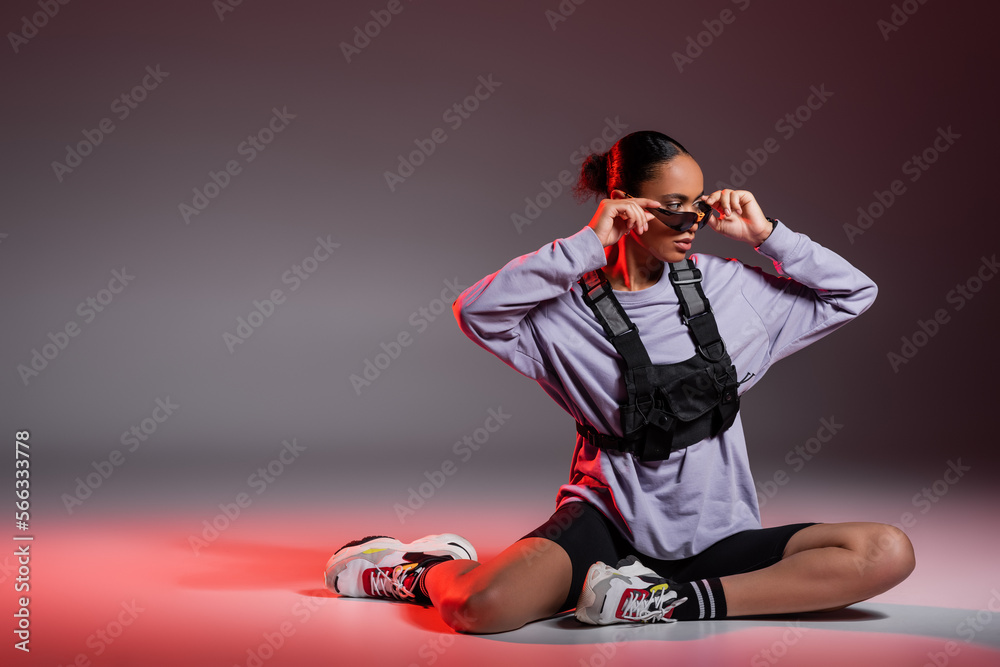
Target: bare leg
{"type": "Point", "coordinates": [528, 581]}
{"type": "Point", "coordinates": [824, 567]}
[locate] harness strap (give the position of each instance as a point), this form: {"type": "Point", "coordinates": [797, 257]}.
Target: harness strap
{"type": "Point", "coordinates": [636, 366]}
{"type": "Point", "coordinates": [685, 276]}
{"type": "Point", "coordinates": [697, 312]}
{"type": "Point", "coordinates": [604, 441]}
{"type": "Point", "coordinates": [624, 335]}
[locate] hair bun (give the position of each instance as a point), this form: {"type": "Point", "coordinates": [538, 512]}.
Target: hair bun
{"type": "Point", "coordinates": [593, 177]}
{"type": "Point", "coordinates": [632, 161]}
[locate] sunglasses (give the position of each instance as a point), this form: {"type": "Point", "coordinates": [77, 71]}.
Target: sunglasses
{"type": "Point", "coordinates": [682, 221]}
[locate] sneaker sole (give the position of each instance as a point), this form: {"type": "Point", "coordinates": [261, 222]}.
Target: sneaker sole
{"type": "Point", "coordinates": [446, 544]}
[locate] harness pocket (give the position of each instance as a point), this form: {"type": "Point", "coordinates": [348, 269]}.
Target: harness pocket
{"type": "Point", "coordinates": [687, 394]}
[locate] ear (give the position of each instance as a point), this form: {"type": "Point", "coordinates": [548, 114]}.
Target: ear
{"type": "Point", "coordinates": [618, 194]}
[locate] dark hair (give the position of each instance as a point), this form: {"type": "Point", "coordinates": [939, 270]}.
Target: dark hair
{"type": "Point", "coordinates": [631, 162]}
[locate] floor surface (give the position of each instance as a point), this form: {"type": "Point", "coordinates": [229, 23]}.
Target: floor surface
{"type": "Point", "coordinates": [124, 586]}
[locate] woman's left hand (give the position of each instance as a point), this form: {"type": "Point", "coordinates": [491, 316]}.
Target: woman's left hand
{"type": "Point", "coordinates": [739, 216]}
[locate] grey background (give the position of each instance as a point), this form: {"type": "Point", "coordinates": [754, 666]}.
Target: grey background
{"type": "Point", "coordinates": [323, 176]}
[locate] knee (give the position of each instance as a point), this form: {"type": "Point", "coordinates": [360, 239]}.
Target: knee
{"type": "Point", "coordinates": [887, 557]}
{"type": "Point", "coordinates": [472, 611]}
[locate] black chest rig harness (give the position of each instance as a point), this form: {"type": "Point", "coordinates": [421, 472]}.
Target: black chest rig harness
{"type": "Point", "coordinates": [668, 406]}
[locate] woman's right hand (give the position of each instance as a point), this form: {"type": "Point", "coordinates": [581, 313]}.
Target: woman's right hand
{"type": "Point", "coordinates": [615, 218]}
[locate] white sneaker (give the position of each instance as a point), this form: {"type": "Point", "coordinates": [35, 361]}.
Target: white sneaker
{"type": "Point", "coordinates": [627, 594]}
{"type": "Point", "coordinates": [383, 567]}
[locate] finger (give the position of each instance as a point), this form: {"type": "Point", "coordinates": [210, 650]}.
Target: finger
{"type": "Point", "coordinates": [628, 211]}
{"type": "Point", "coordinates": [641, 219]}
{"type": "Point", "coordinates": [720, 202]}
{"type": "Point", "coordinates": [727, 201]}
{"type": "Point", "coordinates": [712, 200]}
{"type": "Point", "coordinates": [639, 216]}
{"type": "Point", "coordinates": [625, 208]}
{"type": "Point", "coordinates": [737, 201]}
{"type": "Point", "coordinates": [646, 203]}
{"type": "Point", "coordinates": [747, 201]}
{"type": "Point", "coordinates": [734, 202]}
{"type": "Point", "coordinates": [724, 202]}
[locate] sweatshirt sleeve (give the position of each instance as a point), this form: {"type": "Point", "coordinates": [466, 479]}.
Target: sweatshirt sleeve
{"type": "Point", "coordinates": [817, 292]}
{"type": "Point", "coordinates": [496, 311]}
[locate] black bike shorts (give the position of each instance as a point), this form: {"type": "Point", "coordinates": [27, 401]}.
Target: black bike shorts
{"type": "Point", "coordinates": [588, 536]}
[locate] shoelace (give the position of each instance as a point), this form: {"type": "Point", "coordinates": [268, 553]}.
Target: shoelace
{"type": "Point", "coordinates": [652, 608]}
{"type": "Point", "coordinates": [391, 585]}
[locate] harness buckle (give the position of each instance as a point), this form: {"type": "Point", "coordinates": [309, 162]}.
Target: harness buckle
{"type": "Point", "coordinates": [685, 319]}
{"type": "Point", "coordinates": [695, 277]}
{"type": "Point", "coordinates": [722, 355]}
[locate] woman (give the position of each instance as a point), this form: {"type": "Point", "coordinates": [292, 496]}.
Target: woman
{"type": "Point", "coordinates": [681, 525]}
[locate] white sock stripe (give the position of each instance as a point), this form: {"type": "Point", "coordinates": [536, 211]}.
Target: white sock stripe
{"type": "Point", "coordinates": [711, 598]}
{"type": "Point", "coordinates": [701, 603]}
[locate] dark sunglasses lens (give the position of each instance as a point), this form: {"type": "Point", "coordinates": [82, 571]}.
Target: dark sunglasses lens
{"type": "Point", "coordinates": [683, 221]}
{"type": "Point", "coordinates": [680, 222]}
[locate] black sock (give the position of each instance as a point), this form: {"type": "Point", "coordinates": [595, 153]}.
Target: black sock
{"type": "Point", "coordinates": [705, 599]}
{"type": "Point", "coordinates": [419, 590]}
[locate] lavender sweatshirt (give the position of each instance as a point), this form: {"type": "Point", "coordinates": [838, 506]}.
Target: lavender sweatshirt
{"type": "Point", "coordinates": [532, 316]}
